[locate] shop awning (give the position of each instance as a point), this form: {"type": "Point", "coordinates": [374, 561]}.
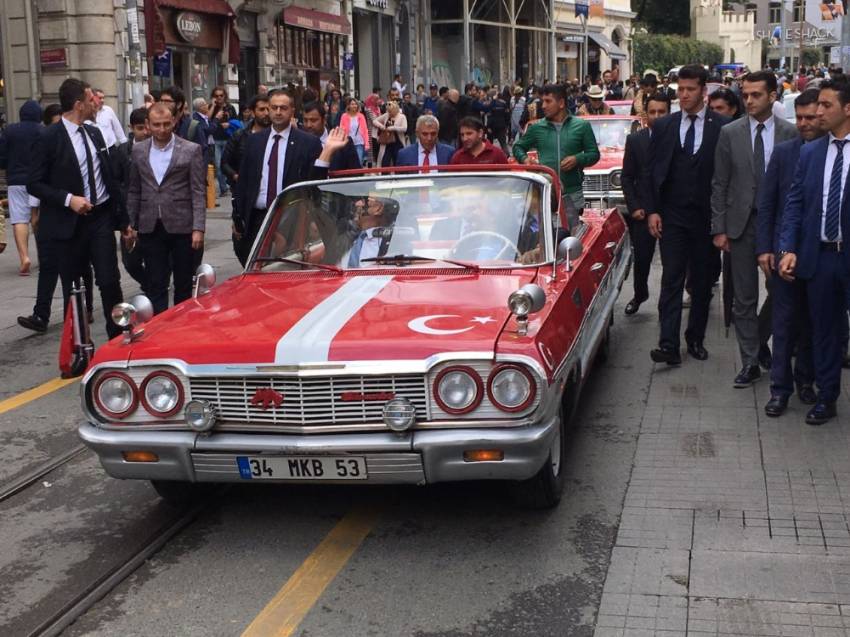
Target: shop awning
{"type": "Point", "coordinates": [614, 52]}
{"type": "Point", "coordinates": [316, 20]}
{"type": "Point", "coordinates": [216, 7]}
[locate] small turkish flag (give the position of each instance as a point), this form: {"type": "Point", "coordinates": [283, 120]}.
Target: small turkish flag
{"type": "Point", "coordinates": [66, 345]}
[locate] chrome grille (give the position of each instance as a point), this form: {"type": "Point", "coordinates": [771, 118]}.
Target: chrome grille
{"type": "Point", "coordinates": [309, 401]}
{"type": "Point", "coordinates": [595, 182]}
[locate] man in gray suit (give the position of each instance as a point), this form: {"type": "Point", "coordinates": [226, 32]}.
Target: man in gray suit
{"type": "Point", "coordinates": [166, 204]}
{"type": "Point", "coordinates": [742, 154]}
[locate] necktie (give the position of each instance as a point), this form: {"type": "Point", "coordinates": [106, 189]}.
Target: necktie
{"type": "Point", "coordinates": [356, 247]}
{"type": "Point", "coordinates": [90, 167]}
{"type": "Point", "coordinates": [690, 136]}
{"type": "Point", "coordinates": [758, 155]}
{"type": "Point", "coordinates": [426, 158]}
{"type": "Point", "coordinates": [271, 182]}
{"type": "Point", "coordinates": [833, 199]}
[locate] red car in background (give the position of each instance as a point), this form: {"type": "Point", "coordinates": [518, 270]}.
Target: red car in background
{"type": "Point", "coordinates": [603, 181]}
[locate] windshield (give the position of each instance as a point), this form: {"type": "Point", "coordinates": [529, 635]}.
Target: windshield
{"type": "Point", "coordinates": [621, 108]}
{"type": "Point", "coordinates": [465, 220]}
{"type": "Point", "coordinates": [612, 133]}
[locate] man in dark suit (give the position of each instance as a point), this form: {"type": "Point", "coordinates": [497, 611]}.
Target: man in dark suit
{"type": "Point", "coordinates": [681, 167]}
{"type": "Point", "coordinates": [313, 116]}
{"type": "Point", "coordinates": [743, 152]}
{"type": "Point", "coordinates": [81, 200]}
{"type": "Point", "coordinates": [635, 158]}
{"type": "Point", "coordinates": [275, 159]}
{"type": "Point", "coordinates": [814, 226]}
{"type": "Point", "coordinates": [168, 174]}
{"type": "Point", "coordinates": [427, 151]}
{"type": "Point", "coordinates": [792, 330]}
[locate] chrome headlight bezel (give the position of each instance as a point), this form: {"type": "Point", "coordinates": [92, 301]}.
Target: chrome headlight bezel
{"type": "Point", "coordinates": [458, 374]}
{"type": "Point", "coordinates": [115, 380]}
{"type": "Point", "coordinates": [518, 372]}
{"type": "Point", "coordinates": [162, 379]}
{"type": "Point", "coordinates": [616, 179]}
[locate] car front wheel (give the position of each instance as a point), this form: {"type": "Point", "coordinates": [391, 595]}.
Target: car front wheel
{"type": "Point", "coordinates": [543, 490]}
{"type": "Point", "coordinates": [180, 495]}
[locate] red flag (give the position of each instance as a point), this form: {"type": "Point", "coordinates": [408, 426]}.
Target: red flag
{"type": "Point", "coordinates": [66, 345]}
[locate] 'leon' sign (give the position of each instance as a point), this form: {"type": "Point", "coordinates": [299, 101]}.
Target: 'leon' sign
{"type": "Point", "coordinates": [189, 25]}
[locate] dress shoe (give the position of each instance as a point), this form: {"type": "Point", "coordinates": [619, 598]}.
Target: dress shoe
{"type": "Point", "coordinates": [776, 406]}
{"type": "Point", "coordinates": [664, 355]}
{"type": "Point", "coordinates": [747, 376]}
{"type": "Point", "coordinates": [807, 394]}
{"type": "Point", "coordinates": [821, 413]}
{"type": "Point", "coordinates": [765, 357]}
{"type": "Point", "coordinates": [633, 306]}
{"type": "Point", "coordinates": [696, 350]}
{"type": "Point", "coordinates": [34, 323]}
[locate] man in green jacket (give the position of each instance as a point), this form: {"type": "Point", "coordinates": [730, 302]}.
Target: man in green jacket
{"type": "Point", "coordinates": [564, 143]}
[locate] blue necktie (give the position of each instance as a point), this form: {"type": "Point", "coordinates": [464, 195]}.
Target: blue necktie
{"type": "Point", "coordinates": [690, 136]}
{"type": "Point", "coordinates": [356, 247]}
{"type": "Point", "coordinates": [833, 199]}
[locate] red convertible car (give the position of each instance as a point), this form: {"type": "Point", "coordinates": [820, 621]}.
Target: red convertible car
{"type": "Point", "coordinates": [603, 181]}
{"type": "Point", "coordinates": [388, 328]}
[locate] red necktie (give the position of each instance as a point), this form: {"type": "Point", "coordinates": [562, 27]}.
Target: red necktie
{"type": "Point", "coordinates": [426, 159]}
{"type": "Point", "coordinates": [271, 183]}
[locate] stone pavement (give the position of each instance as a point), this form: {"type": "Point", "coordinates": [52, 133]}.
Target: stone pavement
{"type": "Point", "coordinates": [733, 523]}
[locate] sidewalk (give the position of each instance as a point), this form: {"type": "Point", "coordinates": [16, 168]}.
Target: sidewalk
{"type": "Point", "coordinates": [733, 523]}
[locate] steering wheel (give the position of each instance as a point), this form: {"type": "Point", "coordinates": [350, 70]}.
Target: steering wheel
{"type": "Point", "coordinates": [453, 253]}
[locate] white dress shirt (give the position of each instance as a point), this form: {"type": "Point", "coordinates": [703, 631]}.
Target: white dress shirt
{"type": "Point", "coordinates": [699, 124]}
{"type": "Point", "coordinates": [160, 158]}
{"type": "Point", "coordinates": [109, 126]}
{"type": "Point", "coordinates": [767, 136]}
{"type": "Point", "coordinates": [371, 244]}
{"type": "Point", "coordinates": [831, 154]}
{"type": "Point", "coordinates": [281, 158]}
{"type": "Point", "coordinates": [80, 152]}
{"type": "Point", "coordinates": [432, 156]}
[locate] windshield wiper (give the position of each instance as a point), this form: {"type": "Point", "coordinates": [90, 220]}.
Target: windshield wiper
{"type": "Point", "coordinates": [402, 258]}
{"type": "Point", "coordinates": [321, 266]}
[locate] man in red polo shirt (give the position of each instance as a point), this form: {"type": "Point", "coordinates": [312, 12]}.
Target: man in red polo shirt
{"type": "Point", "coordinates": [474, 148]}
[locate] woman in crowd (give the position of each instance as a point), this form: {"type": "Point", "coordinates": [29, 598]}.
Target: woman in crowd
{"type": "Point", "coordinates": [353, 122]}
{"type": "Point", "coordinates": [336, 107]}
{"type": "Point", "coordinates": [391, 127]}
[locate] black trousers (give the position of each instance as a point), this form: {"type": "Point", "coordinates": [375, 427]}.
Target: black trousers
{"type": "Point", "coordinates": [134, 264]}
{"type": "Point", "coordinates": [48, 277]}
{"type": "Point", "coordinates": [500, 135]}
{"type": "Point", "coordinates": [167, 255]}
{"type": "Point", "coordinates": [93, 242]}
{"type": "Point", "coordinates": [683, 249]}
{"type": "Point", "coordinates": [252, 228]}
{"type": "Point", "coordinates": [643, 245]}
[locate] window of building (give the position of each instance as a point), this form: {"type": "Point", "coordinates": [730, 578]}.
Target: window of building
{"type": "Point", "coordinates": [798, 12]}
{"type": "Point", "coordinates": [774, 13]}
{"type": "Point", "coordinates": [309, 49]}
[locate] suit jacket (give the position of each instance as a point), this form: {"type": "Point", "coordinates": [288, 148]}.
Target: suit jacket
{"type": "Point", "coordinates": [801, 220]}
{"type": "Point", "coordinates": [55, 173]}
{"type": "Point", "coordinates": [664, 139]}
{"type": "Point", "coordinates": [773, 194]}
{"type": "Point", "coordinates": [346, 158]}
{"type": "Point", "coordinates": [302, 151]}
{"type": "Point", "coordinates": [179, 201]}
{"type": "Point", "coordinates": [409, 155]}
{"type": "Point", "coordinates": [635, 158]}
{"type": "Point", "coordinates": [733, 189]}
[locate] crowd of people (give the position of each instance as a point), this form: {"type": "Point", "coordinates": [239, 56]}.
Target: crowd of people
{"type": "Point", "coordinates": [725, 175]}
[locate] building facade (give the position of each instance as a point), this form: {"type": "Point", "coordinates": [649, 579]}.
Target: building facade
{"type": "Point", "coordinates": [734, 31]}
{"type": "Point", "coordinates": [596, 44]}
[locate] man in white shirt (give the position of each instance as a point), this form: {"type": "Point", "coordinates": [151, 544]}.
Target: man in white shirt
{"type": "Point", "coordinates": [742, 155]}
{"type": "Point", "coordinates": [374, 216]}
{"type": "Point", "coordinates": [168, 174]}
{"type": "Point", "coordinates": [106, 120]}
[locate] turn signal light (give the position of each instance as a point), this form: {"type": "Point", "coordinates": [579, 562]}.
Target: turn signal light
{"type": "Point", "coordinates": [483, 455]}
{"type": "Point", "coordinates": [140, 456]}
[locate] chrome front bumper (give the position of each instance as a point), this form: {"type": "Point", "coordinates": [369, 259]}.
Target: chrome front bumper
{"type": "Point", "coordinates": [417, 457]}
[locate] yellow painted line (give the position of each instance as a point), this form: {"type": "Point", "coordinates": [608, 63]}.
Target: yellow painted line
{"type": "Point", "coordinates": [19, 400]}
{"type": "Point", "coordinates": [287, 609]}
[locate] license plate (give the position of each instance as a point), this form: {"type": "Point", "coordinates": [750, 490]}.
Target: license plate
{"type": "Point", "coordinates": [302, 467]}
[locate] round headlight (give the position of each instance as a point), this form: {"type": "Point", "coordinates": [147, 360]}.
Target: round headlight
{"type": "Point", "coordinates": [616, 179]}
{"type": "Point", "coordinates": [458, 390]}
{"type": "Point", "coordinates": [115, 394]}
{"type": "Point", "coordinates": [399, 414]}
{"type": "Point", "coordinates": [200, 415]}
{"type": "Point", "coordinates": [511, 388]}
{"type": "Point", "coordinates": [123, 314]}
{"type": "Point", "coordinates": [162, 394]}
{"type": "Point", "coordinates": [520, 303]}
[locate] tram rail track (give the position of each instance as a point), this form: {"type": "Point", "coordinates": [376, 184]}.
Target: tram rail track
{"type": "Point", "coordinates": [32, 476]}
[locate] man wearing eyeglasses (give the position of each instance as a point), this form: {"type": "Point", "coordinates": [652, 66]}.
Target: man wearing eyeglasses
{"type": "Point", "coordinates": [221, 113]}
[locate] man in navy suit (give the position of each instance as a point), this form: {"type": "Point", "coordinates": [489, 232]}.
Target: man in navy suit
{"type": "Point", "coordinates": [792, 332]}
{"type": "Point", "coordinates": [73, 174]}
{"type": "Point", "coordinates": [275, 159]}
{"type": "Point", "coordinates": [814, 226]}
{"type": "Point", "coordinates": [427, 151]}
{"type": "Point", "coordinates": [680, 170]}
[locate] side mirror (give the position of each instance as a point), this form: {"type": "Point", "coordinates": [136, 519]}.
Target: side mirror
{"type": "Point", "coordinates": [144, 308]}
{"type": "Point", "coordinates": [569, 250]}
{"type": "Point", "coordinates": [204, 280]}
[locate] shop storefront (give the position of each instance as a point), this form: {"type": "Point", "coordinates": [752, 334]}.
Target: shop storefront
{"type": "Point", "coordinates": [249, 59]}
{"type": "Point", "coordinates": [375, 43]}
{"type": "Point", "coordinates": [310, 47]}
{"type": "Point", "coordinates": [190, 41]}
